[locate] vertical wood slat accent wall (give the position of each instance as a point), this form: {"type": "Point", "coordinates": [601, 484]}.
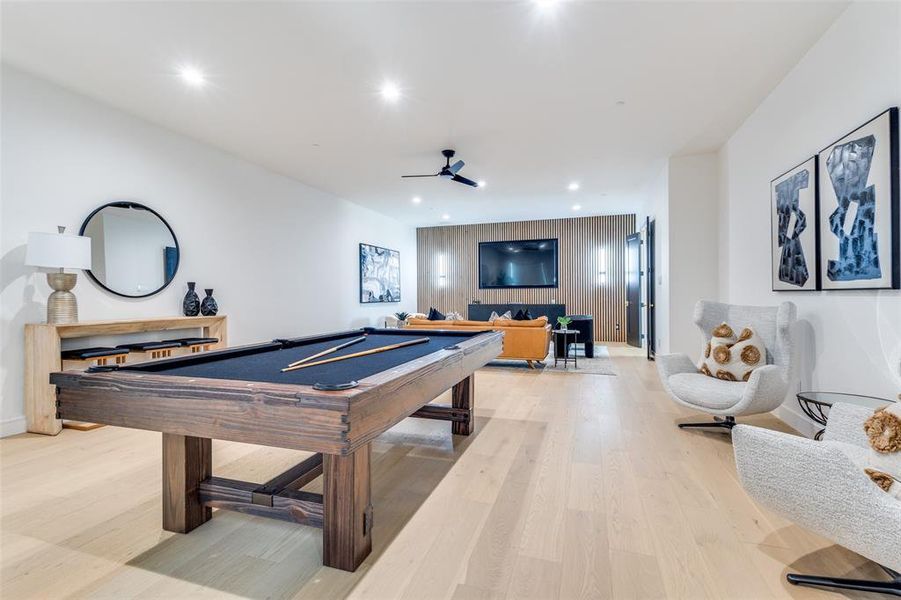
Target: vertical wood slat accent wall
{"type": "Point", "coordinates": [455, 250]}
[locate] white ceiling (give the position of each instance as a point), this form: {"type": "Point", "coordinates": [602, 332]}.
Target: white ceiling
{"type": "Point", "coordinates": [528, 97]}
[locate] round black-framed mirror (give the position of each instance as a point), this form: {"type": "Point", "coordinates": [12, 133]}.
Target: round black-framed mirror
{"type": "Point", "coordinates": [134, 250]}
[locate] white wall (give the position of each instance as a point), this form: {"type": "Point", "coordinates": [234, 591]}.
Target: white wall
{"type": "Point", "coordinates": [693, 241]}
{"type": "Point", "coordinates": [684, 204]}
{"type": "Point", "coordinates": [281, 256]}
{"type": "Point", "coordinates": [658, 203]}
{"type": "Point", "coordinates": [851, 340]}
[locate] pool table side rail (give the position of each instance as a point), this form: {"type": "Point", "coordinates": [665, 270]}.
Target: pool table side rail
{"type": "Point", "coordinates": [280, 415]}
{"type": "Point", "coordinates": [256, 413]}
{"type": "Point", "coordinates": [404, 388]}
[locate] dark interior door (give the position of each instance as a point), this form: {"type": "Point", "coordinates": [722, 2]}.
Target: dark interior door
{"type": "Point", "coordinates": [651, 283]}
{"type": "Point", "coordinates": [633, 290]}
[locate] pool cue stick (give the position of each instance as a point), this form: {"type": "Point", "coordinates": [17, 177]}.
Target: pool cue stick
{"type": "Point", "coordinates": [357, 354]}
{"type": "Point", "coordinates": [362, 338]}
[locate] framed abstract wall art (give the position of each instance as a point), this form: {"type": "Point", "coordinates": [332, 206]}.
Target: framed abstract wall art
{"type": "Point", "coordinates": [379, 274]}
{"type": "Point", "coordinates": [793, 206]}
{"type": "Point", "coordinates": [859, 208]}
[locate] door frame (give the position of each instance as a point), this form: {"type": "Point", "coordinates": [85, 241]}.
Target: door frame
{"type": "Point", "coordinates": [633, 237]}
{"type": "Point", "coordinates": [651, 283]}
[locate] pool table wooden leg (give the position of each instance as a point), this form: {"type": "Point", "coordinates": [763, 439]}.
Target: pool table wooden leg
{"type": "Point", "coordinates": [462, 397]}
{"type": "Point", "coordinates": [186, 462]}
{"type": "Point", "coordinates": [347, 509]}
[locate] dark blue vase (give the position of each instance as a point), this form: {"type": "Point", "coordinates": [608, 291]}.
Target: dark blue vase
{"type": "Point", "coordinates": [191, 304]}
{"type": "Point", "coordinates": [208, 307]}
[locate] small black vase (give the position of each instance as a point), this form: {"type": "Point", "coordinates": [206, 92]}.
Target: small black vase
{"type": "Point", "coordinates": [208, 307]}
{"type": "Point", "coordinates": [191, 304]}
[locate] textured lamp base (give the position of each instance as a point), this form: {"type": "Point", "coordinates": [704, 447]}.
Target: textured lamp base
{"type": "Point", "coordinates": [61, 305]}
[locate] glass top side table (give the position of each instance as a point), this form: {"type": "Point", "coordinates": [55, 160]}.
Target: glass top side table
{"type": "Point", "coordinates": [816, 405]}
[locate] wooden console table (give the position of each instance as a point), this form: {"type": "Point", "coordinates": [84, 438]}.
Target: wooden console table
{"type": "Point", "coordinates": [43, 356]}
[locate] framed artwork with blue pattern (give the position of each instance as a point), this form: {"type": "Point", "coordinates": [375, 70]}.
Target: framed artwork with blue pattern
{"type": "Point", "coordinates": [860, 217]}
{"type": "Point", "coordinates": [379, 274]}
{"type": "Point", "coordinates": [793, 210]}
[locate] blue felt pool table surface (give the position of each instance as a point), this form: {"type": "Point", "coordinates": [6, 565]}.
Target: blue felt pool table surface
{"type": "Point", "coordinates": [264, 362]}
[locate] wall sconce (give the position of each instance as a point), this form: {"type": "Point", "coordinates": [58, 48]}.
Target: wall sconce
{"type": "Point", "coordinates": [602, 266]}
{"type": "Point", "coordinates": [442, 270]}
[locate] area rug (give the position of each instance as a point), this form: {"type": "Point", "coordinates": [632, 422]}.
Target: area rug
{"type": "Point", "coordinates": [601, 364]}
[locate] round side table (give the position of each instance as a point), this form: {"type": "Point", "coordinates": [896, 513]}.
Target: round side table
{"type": "Point", "coordinates": [816, 405]}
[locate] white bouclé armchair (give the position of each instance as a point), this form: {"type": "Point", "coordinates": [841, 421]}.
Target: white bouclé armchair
{"type": "Point", "coordinates": [767, 387]}
{"type": "Point", "coordinates": [819, 486]}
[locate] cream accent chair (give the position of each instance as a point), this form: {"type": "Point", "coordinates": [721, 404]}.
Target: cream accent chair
{"type": "Point", "coordinates": [768, 385]}
{"type": "Point", "coordinates": [818, 486]}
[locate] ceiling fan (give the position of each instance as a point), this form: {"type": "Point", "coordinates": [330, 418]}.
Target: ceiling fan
{"type": "Point", "coordinates": [450, 171]}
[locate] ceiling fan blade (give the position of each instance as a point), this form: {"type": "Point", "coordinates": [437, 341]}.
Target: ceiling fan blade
{"type": "Point", "coordinates": [455, 168]}
{"type": "Point", "coordinates": [433, 175]}
{"type": "Point", "coordinates": [463, 180]}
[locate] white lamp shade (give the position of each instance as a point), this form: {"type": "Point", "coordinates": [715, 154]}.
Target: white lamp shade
{"type": "Point", "coordinates": [58, 251]}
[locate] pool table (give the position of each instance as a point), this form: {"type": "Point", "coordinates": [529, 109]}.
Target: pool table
{"type": "Point", "coordinates": [241, 394]}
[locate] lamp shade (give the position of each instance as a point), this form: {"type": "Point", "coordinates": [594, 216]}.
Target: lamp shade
{"type": "Point", "coordinates": [58, 251]}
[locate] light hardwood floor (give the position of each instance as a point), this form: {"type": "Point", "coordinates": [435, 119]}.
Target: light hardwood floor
{"type": "Point", "coordinates": [574, 486]}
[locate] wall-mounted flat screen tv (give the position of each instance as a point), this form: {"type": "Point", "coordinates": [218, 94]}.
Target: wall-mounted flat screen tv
{"type": "Point", "coordinates": [519, 264]}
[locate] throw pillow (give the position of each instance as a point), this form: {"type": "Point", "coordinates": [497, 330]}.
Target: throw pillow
{"type": "Point", "coordinates": [884, 429]}
{"type": "Point", "coordinates": [434, 315]}
{"type": "Point", "coordinates": [730, 357]}
{"type": "Point", "coordinates": [520, 315]}
{"type": "Point", "coordinates": [496, 317]}
{"type": "Point", "coordinates": [882, 469]}
{"type": "Point", "coordinates": [454, 316]}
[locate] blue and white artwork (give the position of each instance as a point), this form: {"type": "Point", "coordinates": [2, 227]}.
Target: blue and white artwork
{"type": "Point", "coordinates": [848, 166]}
{"type": "Point", "coordinates": [379, 274]}
{"type": "Point", "coordinates": [794, 228]}
{"type": "Point", "coordinates": [858, 208]}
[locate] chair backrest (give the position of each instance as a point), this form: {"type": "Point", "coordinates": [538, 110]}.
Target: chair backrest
{"type": "Point", "coordinates": [774, 325]}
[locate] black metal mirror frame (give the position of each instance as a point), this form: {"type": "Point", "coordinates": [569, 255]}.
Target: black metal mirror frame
{"type": "Point", "coordinates": [138, 206]}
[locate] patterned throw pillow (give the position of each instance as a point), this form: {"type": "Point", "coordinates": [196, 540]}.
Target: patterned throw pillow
{"type": "Point", "coordinates": [454, 316]}
{"type": "Point", "coordinates": [507, 316]}
{"type": "Point", "coordinates": [731, 357]}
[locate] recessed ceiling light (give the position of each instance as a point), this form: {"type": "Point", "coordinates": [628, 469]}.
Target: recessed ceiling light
{"type": "Point", "coordinates": [620, 102]}
{"type": "Point", "coordinates": [577, 207]}
{"type": "Point", "coordinates": [390, 91]}
{"type": "Point", "coordinates": [445, 216]}
{"type": "Point", "coordinates": [482, 183]}
{"type": "Point", "coordinates": [416, 199]}
{"type": "Point", "coordinates": [573, 186]}
{"type": "Point", "coordinates": [192, 75]}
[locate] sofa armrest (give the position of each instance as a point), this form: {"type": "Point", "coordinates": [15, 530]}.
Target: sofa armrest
{"type": "Point", "coordinates": [816, 485]}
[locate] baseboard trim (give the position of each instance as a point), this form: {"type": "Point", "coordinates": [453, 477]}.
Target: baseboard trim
{"type": "Point", "coordinates": [792, 416]}
{"type": "Point", "coordinates": [13, 426]}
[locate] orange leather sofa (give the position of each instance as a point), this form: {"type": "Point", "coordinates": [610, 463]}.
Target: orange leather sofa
{"type": "Point", "coordinates": [525, 340]}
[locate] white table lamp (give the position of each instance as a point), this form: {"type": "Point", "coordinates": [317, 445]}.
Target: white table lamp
{"type": "Point", "coordinates": [59, 251]}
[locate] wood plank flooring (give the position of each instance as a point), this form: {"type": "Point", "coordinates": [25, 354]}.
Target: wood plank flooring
{"type": "Point", "coordinates": [574, 486]}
